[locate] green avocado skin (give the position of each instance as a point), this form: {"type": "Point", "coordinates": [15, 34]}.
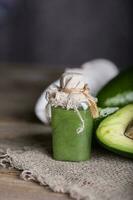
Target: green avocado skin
{"type": "Point", "coordinates": [121, 153]}
{"type": "Point", "coordinates": [118, 92]}
{"type": "Point", "coordinates": [110, 132]}
{"type": "Point", "coordinates": [68, 145]}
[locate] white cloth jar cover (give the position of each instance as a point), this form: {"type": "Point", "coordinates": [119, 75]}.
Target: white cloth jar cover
{"type": "Point", "coordinates": [69, 94]}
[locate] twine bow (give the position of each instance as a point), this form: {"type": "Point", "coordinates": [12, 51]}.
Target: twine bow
{"type": "Point", "coordinates": [86, 92]}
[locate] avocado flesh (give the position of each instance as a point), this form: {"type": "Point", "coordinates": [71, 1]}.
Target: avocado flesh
{"type": "Point", "coordinates": [118, 92]}
{"type": "Point", "coordinates": [111, 131]}
{"type": "Point", "coordinates": [103, 113]}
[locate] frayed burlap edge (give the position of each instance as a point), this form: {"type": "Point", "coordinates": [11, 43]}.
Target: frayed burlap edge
{"type": "Point", "coordinates": [74, 191]}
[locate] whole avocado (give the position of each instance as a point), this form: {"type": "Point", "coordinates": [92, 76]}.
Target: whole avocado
{"type": "Point", "coordinates": [118, 92]}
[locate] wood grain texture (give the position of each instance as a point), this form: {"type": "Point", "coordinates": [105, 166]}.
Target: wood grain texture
{"type": "Point", "coordinates": [20, 86]}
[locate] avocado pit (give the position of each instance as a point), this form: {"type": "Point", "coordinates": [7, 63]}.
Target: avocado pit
{"type": "Point", "coordinates": [129, 131]}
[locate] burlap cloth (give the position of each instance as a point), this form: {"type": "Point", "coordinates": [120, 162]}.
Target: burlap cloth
{"type": "Point", "coordinates": [105, 177]}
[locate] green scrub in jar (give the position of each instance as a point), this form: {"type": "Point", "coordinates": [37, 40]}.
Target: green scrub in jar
{"type": "Point", "coordinates": [69, 142]}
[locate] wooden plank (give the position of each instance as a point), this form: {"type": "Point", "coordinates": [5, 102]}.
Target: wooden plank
{"type": "Point", "coordinates": [20, 87]}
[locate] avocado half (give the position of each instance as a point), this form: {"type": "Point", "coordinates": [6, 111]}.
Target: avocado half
{"type": "Point", "coordinates": [118, 92]}
{"type": "Point", "coordinates": [116, 132]}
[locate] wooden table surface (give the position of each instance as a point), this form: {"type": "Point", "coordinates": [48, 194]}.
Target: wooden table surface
{"type": "Point", "coordinates": [20, 86]}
